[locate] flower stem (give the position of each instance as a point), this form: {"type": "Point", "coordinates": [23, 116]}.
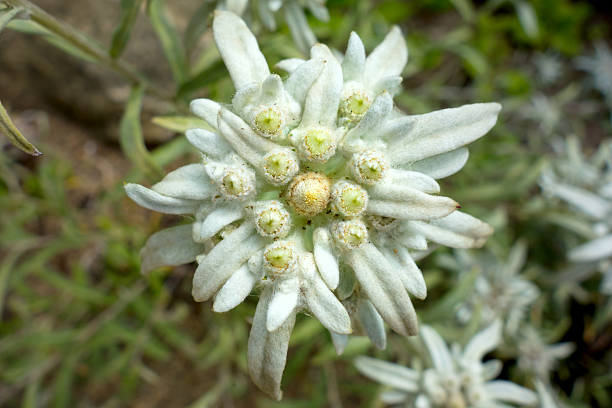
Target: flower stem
{"type": "Point", "coordinates": [88, 46]}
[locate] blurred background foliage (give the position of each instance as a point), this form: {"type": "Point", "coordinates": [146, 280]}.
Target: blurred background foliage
{"type": "Point", "coordinates": [102, 89]}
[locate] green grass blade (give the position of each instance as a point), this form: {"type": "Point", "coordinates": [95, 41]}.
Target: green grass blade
{"type": "Point", "coordinates": [169, 39]}
{"type": "Point", "coordinates": [130, 134]}
{"type": "Point", "coordinates": [7, 16]}
{"type": "Point", "coordinates": [179, 123]}
{"type": "Point", "coordinates": [121, 35]}
{"type": "Point", "coordinates": [197, 25]}
{"type": "Point", "coordinates": [8, 129]}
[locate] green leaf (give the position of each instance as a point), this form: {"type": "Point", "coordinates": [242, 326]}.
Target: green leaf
{"type": "Point", "coordinates": [121, 35]}
{"type": "Point", "coordinates": [206, 77]}
{"type": "Point", "coordinates": [130, 134]}
{"type": "Point", "coordinates": [7, 16]}
{"type": "Point", "coordinates": [180, 124]}
{"type": "Point", "coordinates": [465, 8]}
{"type": "Point", "coordinates": [30, 396]}
{"type": "Point", "coordinates": [33, 28]}
{"type": "Point", "coordinates": [169, 39]}
{"type": "Point", "coordinates": [170, 151]}
{"type": "Point", "coordinates": [197, 25]}
{"type": "Point", "coordinates": [527, 16]}
{"type": "Point", "coordinates": [64, 381]}
{"type": "Point", "coordinates": [8, 129]}
{"type": "Point", "coordinates": [445, 306]}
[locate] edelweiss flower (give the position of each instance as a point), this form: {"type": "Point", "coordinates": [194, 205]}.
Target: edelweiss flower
{"type": "Point", "coordinates": [500, 291]}
{"type": "Point", "coordinates": [600, 68]}
{"type": "Point", "coordinates": [454, 378]}
{"type": "Point", "coordinates": [549, 67]}
{"type": "Point", "coordinates": [289, 199]}
{"type": "Point", "coordinates": [591, 196]}
{"type": "Point", "coordinates": [538, 357]}
{"type": "Point", "coordinates": [293, 12]}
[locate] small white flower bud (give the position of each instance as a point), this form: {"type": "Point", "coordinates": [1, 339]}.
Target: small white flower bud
{"type": "Point", "coordinates": [269, 122]}
{"type": "Point", "coordinates": [350, 234]}
{"type": "Point", "coordinates": [280, 258]}
{"type": "Point", "coordinates": [280, 166]}
{"type": "Point", "coordinates": [354, 105]}
{"type": "Point", "coordinates": [272, 220]}
{"type": "Point", "coordinates": [309, 193]}
{"type": "Point", "coordinates": [383, 223]}
{"type": "Point", "coordinates": [315, 144]}
{"type": "Point", "coordinates": [368, 167]}
{"type": "Point", "coordinates": [456, 400]}
{"type": "Point", "coordinates": [348, 199]}
{"type": "Point", "coordinates": [237, 182]}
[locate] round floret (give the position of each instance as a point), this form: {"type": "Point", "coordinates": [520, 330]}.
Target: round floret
{"type": "Point", "coordinates": [368, 167]}
{"type": "Point", "coordinates": [350, 234]}
{"type": "Point", "coordinates": [354, 105]}
{"type": "Point", "coordinates": [309, 193]}
{"type": "Point", "coordinates": [237, 182]}
{"type": "Point", "coordinates": [269, 122]}
{"type": "Point", "coordinates": [272, 220]}
{"type": "Point", "coordinates": [315, 144]}
{"type": "Point", "coordinates": [280, 259]}
{"type": "Point", "coordinates": [349, 199]}
{"type": "Point", "coordinates": [280, 166]}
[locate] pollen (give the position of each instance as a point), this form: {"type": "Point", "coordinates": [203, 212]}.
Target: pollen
{"type": "Point", "coordinates": [309, 193]}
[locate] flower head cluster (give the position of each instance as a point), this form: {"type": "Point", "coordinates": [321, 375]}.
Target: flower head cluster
{"type": "Point", "coordinates": [300, 197]}
{"type": "Point", "coordinates": [585, 183]}
{"type": "Point", "coordinates": [452, 378]}
{"type": "Point", "coordinates": [500, 292]}
{"type": "Point", "coordinates": [292, 10]}
{"type": "Point", "coordinates": [600, 68]}
{"type": "Point", "coordinates": [538, 357]}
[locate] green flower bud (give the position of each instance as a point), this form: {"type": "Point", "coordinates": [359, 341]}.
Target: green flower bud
{"type": "Point", "coordinates": [269, 122]}
{"type": "Point", "coordinates": [368, 167]}
{"type": "Point", "coordinates": [272, 220]}
{"type": "Point", "coordinates": [349, 199]}
{"type": "Point", "coordinates": [350, 234]}
{"type": "Point", "coordinates": [280, 166]}
{"type": "Point", "coordinates": [280, 258]}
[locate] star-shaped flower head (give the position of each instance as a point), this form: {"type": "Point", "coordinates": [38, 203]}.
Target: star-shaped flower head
{"type": "Point", "coordinates": [600, 68]}
{"type": "Point", "coordinates": [538, 357]}
{"type": "Point", "coordinates": [451, 378]}
{"type": "Point", "coordinates": [292, 10]}
{"type": "Point", "coordinates": [585, 184]}
{"type": "Point", "coordinates": [501, 292]}
{"type": "Point", "coordinates": [289, 200]}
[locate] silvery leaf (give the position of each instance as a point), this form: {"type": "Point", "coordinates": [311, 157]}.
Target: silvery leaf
{"type": "Point", "coordinates": [170, 247]}
{"type": "Point", "coordinates": [393, 375]}
{"type": "Point", "coordinates": [267, 351]}
{"type": "Point", "coordinates": [384, 289]}
{"type": "Point", "coordinates": [157, 202]}
{"type": "Point", "coordinates": [443, 131]}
